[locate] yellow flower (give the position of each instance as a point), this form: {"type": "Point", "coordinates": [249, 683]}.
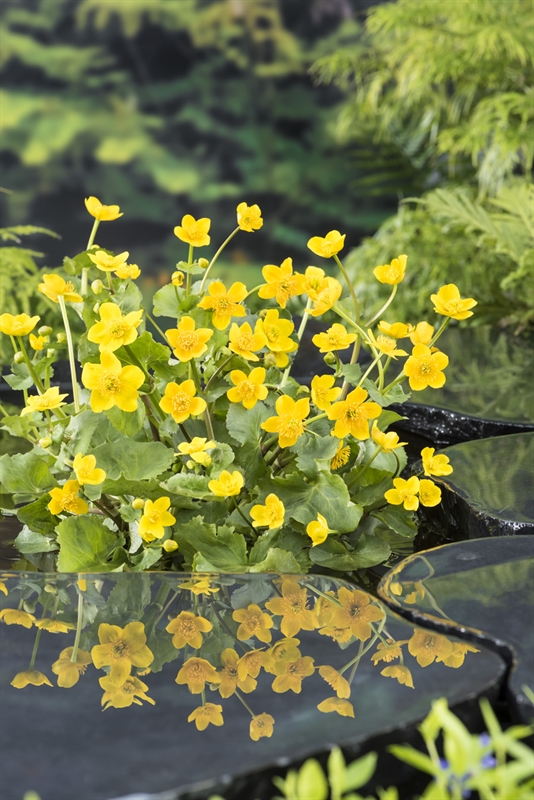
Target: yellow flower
{"type": "Point", "coordinates": [261, 725]}
{"type": "Point", "coordinates": [177, 278]}
{"type": "Point", "coordinates": [449, 303]}
{"type": "Point", "coordinates": [111, 384]}
{"type": "Point", "coordinates": [281, 282]}
{"type": "Point", "coordinates": [270, 515]}
{"type": "Point", "coordinates": [37, 343]}
{"type": "Point", "coordinates": [230, 680]}
{"type": "Point", "coordinates": [323, 391]}
{"type": "Point", "coordinates": [128, 271]}
{"type": "Point", "coordinates": [387, 651]}
{"type": "Point", "coordinates": [293, 675]}
{"type": "Point", "coordinates": [244, 342]}
{"type": "Point", "coordinates": [248, 389]}
{"type": "Point", "coordinates": [341, 456]}
{"type": "Point", "coordinates": [335, 679]}
{"type": "Point", "coordinates": [114, 329]}
{"type": "Point", "coordinates": [277, 332]}
{"type": "Point", "coordinates": [194, 232]}
{"type": "Point", "coordinates": [391, 273]}
{"type": "Point", "coordinates": [196, 672]}
{"type": "Point", "coordinates": [335, 338]}
{"type": "Point", "coordinates": [422, 333]}
{"type": "Point", "coordinates": [3, 588]}
{"type": "Point", "coordinates": [225, 304]}
{"type": "Point", "coordinates": [253, 622]}
{"type": "Point", "coordinates": [318, 530]}
{"type": "Point", "coordinates": [424, 368]}
{"type": "Point", "coordinates": [356, 613]}
{"type": "Point", "coordinates": [108, 263]}
{"type": "Point", "coordinates": [44, 402]}
{"type": "Point", "coordinates": [196, 449]}
{"type": "Point", "coordinates": [180, 401]}
{"type": "Point", "coordinates": [66, 499]}
{"type": "Point", "coordinates": [332, 243]}
{"type": "Point", "coordinates": [457, 655]}
{"type": "Point", "coordinates": [386, 345]}
{"type": "Point", "coordinates": [54, 286]}
{"type": "Point", "coordinates": [68, 671]}
{"type": "Point", "coordinates": [404, 493]}
{"type": "Point", "coordinates": [201, 586]}
{"type": "Point", "coordinates": [121, 694]}
{"type": "Point", "coordinates": [188, 343]}
{"type": "Point", "coordinates": [341, 707]}
{"type": "Point", "coordinates": [87, 471]}
{"type": "Point", "coordinates": [19, 325]}
{"type": "Point", "coordinates": [101, 212]}
{"type": "Point", "coordinates": [340, 635]}
{"type": "Point", "coordinates": [227, 484]}
{"type": "Point", "coordinates": [326, 297]}
{"type": "Point", "coordinates": [156, 517]}
{"type": "Point", "coordinates": [315, 282]}
{"type": "Point", "coordinates": [54, 625]}
{"type": "Point", "coordinates": [206, 714]}
{"type": "Point", "coordinates": [249, 217]}
{"type": "Point", "coordinates": [352, 415]}
{"type": "Point", "coordinates": [12, 616]}
{"type": "Point", "coordinates": [435, 465]}
{"type": "Point", "coordinates": [401, 673]}
{"type": "Point", "coordinates": [397, 330]}
{"type": "Point", "coordinates": [293, 606]}
{"type": "Point", "coordinates": [386, 441]}
{"type": "Point", "coordinates": [289, 422]}
{"type": "Point", "coordinates": [121, 649]}
{"type": "Point", "coordinates": [29, 676]}
{"type": "Point", "coordinates": [284, 651]}
{"type": "Point", "coordinates": [187, 628]}
{"type": "Point", "coordinates": [250, 664]}
{"type": "Point", "coordinates": [426, 646]}
{"type": "Point", "coordinates": [169, 545]}
{"type": "Point", "coordinates": [429, 493]}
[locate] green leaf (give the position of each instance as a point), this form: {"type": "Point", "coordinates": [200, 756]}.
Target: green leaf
{"type": "Point", "coordinates": [398, 519]}
{"type": "Point", "coordinates": [188, 484]}
{"type": "Point", "coordinates": [351, 372]}
{"type": "Point", "coordinates": [88, 352]}
{"type": "Point", "coordinates": [166, 303]}
{"type": "Point", "coordinates": [333, 554]}
{"type": "Point", "coordinates": [129, 598]}
{"type": "Point", "coordinates": [160, 643]}
{"type": "Point", "coordinates": [395, 395]}
{"type": "Point", "coordinates": [256, 591]}
{"type": "Point", "coordinates": [25, 474]}
{"type": "Point", "coordinates": [145, 349]}
{"type": "Point", "coordinates": [221, 458]}
{"type": "Point", "coordinates": [127, 422]}
{"type": "Point", "coordinates": [311, 782]}
{"type": "Point", "coordinates": [244, 426]}
{"type": "Point", "coordinates": [21, 378]}
{"type": "Point", "coordinates": [37, 516]}
{"type": "Point", "coordinates": [360, 772]}
{"type": "Point", "coordinates": [414, 758]}
{"type": "Point", "coordinates": [315, 454]}
{"type": "Point", "coordinates": [133, 460]}
{"type": "Point", "coordinates": [277, 561]}
{"type": "Point", "coordinates": [17, 426]}
{"type": "Point", "coordinates": [146, 559]}
{"type": "Point", "coordinates": [149, 489]}
{"type": "Point", "coordinates": [79, 431]}
{"type": "Point", "coordinates": [29, 541]}
{"type": "Point", "coordinates": [327, 495]}
{"type": "Point", "coordinates": [222, 549]}
{"type": "Point", "coordinates": [129, 297]}
{"type": "Point", "coordinates": [86, 545]}
{"type": "Point", "coordinates": [374, 483]}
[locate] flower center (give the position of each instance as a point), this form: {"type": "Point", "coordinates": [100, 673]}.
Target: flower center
{"type": "Point", "coordinates": [153, 518]}
{"type": "Point", "coordinates": [223, 305]}
{"type": "Point", "coordinates": [118, 329]}
{"type": "Point", "coordinates": [272, 333]}
{"type": "Point", "coordinates": [187, 628]}
{"type": "Point", "coordinates": [120, 650]}
{"type": "Point", "coordinates": [69, 500]}
{"type": "Point", "coordinates": [247, 390]}
{"type": "Point", "coordinates": [405, 494]}
{"type": "Point", "coordinates": [188, 340]}
{"type": "Point", "coordinates": [393, 274]}
{"type": "Point", "coordinates": [293, 427]}
{"type": "Point", "coordinates": [69, 287]}
{"type": "Point", "coordinates": [354, 412]}
{"type": "Point", "coordinates": [128, 688]}
{"type": "Point", "coordinates": [181, 402]}
{"type": "Point", "coordinates": [425, 367]}
{"type": "Point", "coordinates": [245, 341]}
{"type": "Point", "coordinates": [197, 672]}
{"type": "Point", "coordinates": [386, 343]}
{"type": "Point", "coordinates": [110, 383]}
{"type": "Point", "coordinates": [452, 306]}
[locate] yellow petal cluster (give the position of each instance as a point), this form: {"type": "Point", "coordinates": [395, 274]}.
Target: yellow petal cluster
{"type": "Point", "coordinates": [352, 415]}
{"type": "Point", "coordinates": [386, 441]}
{"type": "Point", "coordinates": [106, 262]}
{"type": "Point", "coordinates": [425, 368]}
{"type": "Point", "coordinates": [393, 273]}
{"type": "Point", "coordinates": [101, 212]}
{"type": "Point", "coordinates": [449, 303]}
{"type": "Point", "coordinates": [180, 402]}
{"type": "Point", "coordinates": [44, 402]}
{"type": "Point", "coordinates": [156, 517]}
{"type": "Point", "coordinates": [54, 286]}
{"type": "Point", "coordinates": [227, 484]}
{"type": "Point", "coordinates": [318, 530]}
{"type": "Point", "coordinates": [281, 282]}
{"type": "Point", "coordinates": [435, 465]}
{"type": "Point", "coordinates": [248, 389]}
{"type": "Point", "coordinates": [328, 246]}
{"type": "Point", "coordinates": [18, 325]}
{"type": "Point", "coordinates": [188, 341]}
{"type": "Point", "coordinates": [289, 424]}
{"type": "Point", "coordinates": [126, 271]}
{"type": "Point", "coordinates": [193, 231]}
{"type": "Point", "coordinates": [111, 384]}
{"type": "Point", "coordinates": [270, 515]}
{"type": "Point", "coordinates": [224, 304]}
{"type": "Point", "coordinates": [65, 498]}
{"type": "Point", "coordinates": [335, 338]}
{"type": "Point", "coordinates": [197, 450]}
{"type": "Point", "coordinates": [249, 217]}
{"type": "Point", "coordinates": [323, 391]}
{"type": "Point", "coordinates": [245, 343]}
{"type": "Point", "coordinates": [115, 329]}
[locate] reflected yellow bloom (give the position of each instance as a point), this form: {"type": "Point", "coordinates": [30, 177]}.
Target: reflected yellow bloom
{"type": "Point", "coordinates": [335, 679]}
{"type": "Point", "coordinates": [323, 391]}
{"type": "Point", "coordinates": [54, 625]}
{"type": "Point", "coordinates": [426, 647]}
{"type": "Point", "coordinates": [356, 613]}
{"type": "Point", "coordinates": [187, 628]}
{"type": "Point", "coordinates": [12, 616]}
{"type": "Point", "coordinates": [435, 465]}
{"type": "Point", "coordinates": [261, 726]}
{"type": "Point", "coordinates": [391, 273]}
{"type": "Point", "coordinates": [293, 675]}
{"type": "Point", "coordinates": [230, 680]}
{"type": "Point", "coordinates": [210, 713]}
{"type": "Point", "coordinates": [457, 656]}
{"type": "Point", "coordinates": [250, 664]}
{"type": "Point", "coordinates": [3, 588]}
{"type": "Point", "coordinates": [29, 677]}
{"type": "Point", "coordinates": [68, 671]}
{"type": "Point", "coordinates": [115, 329]}
{"type": "Point", "coordinates": [339, 635]}
{"type": "Point", "coordinates": [253, 622]}
{"type": "Point", "coordinates": [289, 424]}
{"type": "Point", "coordinates": [249, 217]}
{"type": "Point", "coordinates": [101, 212]}
{"type": "Point", "coordinates": [227, 484]}
{"type": "Point", "coordinates": [121, 648]}
{"type": "Point", "coordinates": [87, 471]}
{"type": "Point", "coordinates": [388, 651]}
{"type": "Point", "coordinates": [327, 246]}
{"type": "Point", "coordinates": [281, 283]}
{"type": "Point", "coordinates": [65, 498]}
{"type": "Point", "coordinates": [401, 673]}
{"type": "Point", "coordinates": [284, 651]}
{"type": "Point", "coordinates": [188, 341]}
{"type": "Point", "coordinates": [122, 694]}
{"type": "Point", "coordinates": [224, 304]}
{"type": "Point", "coordinates": [449, 303]}
{"type": "Point", "coordinates": [196, 672]}
{"type": "Point", "coordinates": [293, 607]}
{"type": "Point", "coordinates": [194, 231]}
{"type": "Point", "coordinates": [323, 610]}
{"type": "Point", "coordinates": [340, 706]}
{"type": "Point", "coordinates": [54, 286]}
{"type": "Point", "coordinates": [44, 402]}
{"type": "Point", "coordinates": [19, 325]}
{"type": "Point", "coordinates": [270, 515]}
{"type": "Point", "coordinates": [419, 591]}
{"type": "Point", "coordinates": [201, 586]}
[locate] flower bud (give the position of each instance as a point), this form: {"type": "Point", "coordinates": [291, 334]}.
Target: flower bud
{"type": "Point", "coordinates": [169, 545]}
{"type": "Point", "coordinates": [29, 606]}
{"type": "Point", "coordinates": [303, 390]}
{"type": "Point", "coordinates": [50, 352]}
{"type": "Point", "coordinates": [203, 263]}
{"type": "Point", "coordinates": [263, 313]}
{"type": "Point", "coordinates": [50, 588]}
{"type": "Point", "coordinates": [96, 308]}
{"type": "Point", "coordinates": [44, 330]}
{"type": "Point", "coordinates": [190, 464]}
{"type": "Point", "coordinates": [97, 286]}
{"type": "Point", "coordinates": [177, 278]}
{"type": "Point", "coordinates": [270, 360]}
{"type": "Point", "coordinates": [138, 503]}
{"type": "Point", "coordinates": [45, 442]}
{"type": "Point", "coordinates": [18, 358]}
{"type": "Point", "coordinates": [330, 359]}
{"type": "Point", "coordinates": [61, 337]}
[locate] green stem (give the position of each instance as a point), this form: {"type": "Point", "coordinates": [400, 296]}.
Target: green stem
{"type": "Point", "coordinates": [440, 331]}
{"type": "Point", "coordinates": [29, 364]}
{"type": "Point", "coordinates": [185, 433]}
{"type": "Point", "coordinates": [250, 711]}
{"type": "Point", "coordinates": [300, 332]}
{"type": "Point", "coordinates": [339, 311]}
{"type": "Point", "coordinates": [255, 289]}
{"type": "Point", "coordinates": [369, 369]}
{"type": "Point", "coordinates": [136, 361]}
{"type": "Point", "coordinates": [85, 271]}
{"type": "Point", "coordinates": [218, 370]}
{"type": "Point", "coordinates": [78, 629]}
{"type": "Point", "coordinates": [154, 323]}
{"type": "Point", "coordinates": [188, 276]}
{"type": "Point", "coordinates": [70, 348]}
{"type": "Point", "coordinates": [227, 629]}
{"type": "Point", "coordinates": [214, 259]}
{"type": "Point", "coordinates": [351, 288]}
{"type": "Point", "coordinates": [365, 468]}
{"type": "Point", "coordinates": [384, 307]}
{"type": "Point", "coordinates": [110, 284]}
{"type": "Point", "coordinates": [39, 632]}
{"type": "Point", "coordinates": [249, 523]}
